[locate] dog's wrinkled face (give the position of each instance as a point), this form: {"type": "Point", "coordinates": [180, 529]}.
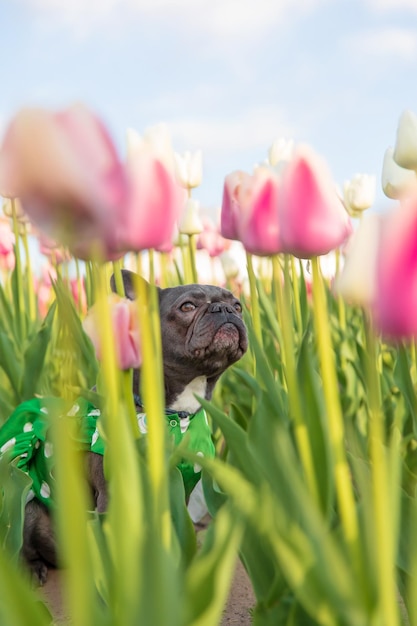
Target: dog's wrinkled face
{"type": "Point", "coordinates": [202, 325]}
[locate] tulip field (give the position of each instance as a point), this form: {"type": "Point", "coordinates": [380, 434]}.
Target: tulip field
{"type": "Point", "coordinates": [314, 481]}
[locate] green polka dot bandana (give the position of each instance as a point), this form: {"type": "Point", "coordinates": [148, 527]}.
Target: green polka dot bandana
{"type": "Point", "coordinates": [25, 439]}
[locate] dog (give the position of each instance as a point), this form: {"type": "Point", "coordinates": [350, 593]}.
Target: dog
{"type": "Point", "coordinates": [202, 333]}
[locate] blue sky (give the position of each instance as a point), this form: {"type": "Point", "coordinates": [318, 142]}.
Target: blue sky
{"type": "Point", "coordinates": [227, 76]}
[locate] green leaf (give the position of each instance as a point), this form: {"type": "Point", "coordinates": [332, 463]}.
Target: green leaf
{"type": "Point", "coordinates": [11, 362]}
{"type": "Point", "coordinates": [208, 579]}
{"type": "Point", "coordinates": [34, 356]}
{"type": "Point", "coordinates": [15, 486]}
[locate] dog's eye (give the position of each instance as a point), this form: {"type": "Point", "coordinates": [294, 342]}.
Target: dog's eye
{"type": "Point", "coordinates": [187, 307]}
{"type": "Point", "coordinates": [238, 307]}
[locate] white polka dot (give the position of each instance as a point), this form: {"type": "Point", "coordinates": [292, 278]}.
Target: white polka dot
{"type": "Point", "coordinates": [45, 490]}
{"type": "Point", "coordinates": [30, 496]}
{"type": "Point", "coordinates": [94, 413]}
{"type": "Point", "coordinates": [28, 427]}
{"type": "Point", "coordinates": [74, 410]}
{"type": "Point", "coordinates": [197, 467]}
{"type": "Point", "coordinates": [44, 410]}
{"type": "Point", "coordinates": [184, 424]}
{"type": "Point", "coordinates": [9, 444]}
{"type": "Point", "coordinates": [94, 437]}
{"type": "Point", "coordinates": [48, 449]}
{"type": "Point", "coordinates": [37, 444]}
{"type": "Point", "coordinates": [143, 427]}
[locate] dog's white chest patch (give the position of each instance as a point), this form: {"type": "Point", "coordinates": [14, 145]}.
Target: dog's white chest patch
{"type": "Point", "coordinates": [186, 400]}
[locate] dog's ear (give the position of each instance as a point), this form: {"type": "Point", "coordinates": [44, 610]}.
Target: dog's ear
{"type": "Point", "coordinates": [129, 279]}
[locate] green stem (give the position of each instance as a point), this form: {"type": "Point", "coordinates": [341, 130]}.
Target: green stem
{"type": "Point", "coordinates": [18, 271]}
{"type": "Point", "coordinates": [153, 393]}
{"type": "Point", "coordinates": [127, 384]}
{"type": "Point", "coordinates": [79, 286]}
{"type": "Point", "coordinates": [118, 278]}
{"type": "Point", "coordinates": [383, 505]}
{"type": "Point", "coordinates": [344, 489]}
{"type": "Point", "coordinates": [191, 249]}
{"type": "Point", "coordinates": [296, 300]}
{"type": "Point", "coordinates": [290, 367]}
{"type": "Point", "coordinates": [29, 278]}
{"type": "Point", "coordinates": [254, 301]}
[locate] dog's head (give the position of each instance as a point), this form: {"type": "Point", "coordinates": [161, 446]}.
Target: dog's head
{"type": "Point", "coordinates": [202, 331]}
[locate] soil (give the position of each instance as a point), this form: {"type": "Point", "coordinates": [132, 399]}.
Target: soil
{"type": "Point", "coordinates": [236, 612]}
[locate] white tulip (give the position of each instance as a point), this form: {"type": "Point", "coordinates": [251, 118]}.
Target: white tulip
{"type": "Point", "coordinates": [282, 149]}
{"type": "Point", "coordinates": [357, 280]}
{"type": "Point", "coordinates": [156, 141]}
{"type": "Point", "coordinates": [229, 265]}
{"type": "Point", "coordinates": [190, 223]}
{"type": "Point", "coordinates": [359, 194]}
{"type": "Point", "coordinates": [189, 168]}
{"type": "Point", "coordinates": [405, 151]}
{"type": "Point", "coordinates": [397, 182]}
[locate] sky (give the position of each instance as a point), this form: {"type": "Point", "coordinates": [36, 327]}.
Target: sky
{"type": "Point", "coordinates": [227, 76]}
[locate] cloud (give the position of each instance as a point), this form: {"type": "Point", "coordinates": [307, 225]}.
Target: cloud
{"type": "Point", "coordinates": [220, 18]}
{"type": "Point", "coordinates": [393, 5]}
{"type": "Point", "coordinates": [252, 130]}
{"type": "Point", "coordinates": [392, 43]}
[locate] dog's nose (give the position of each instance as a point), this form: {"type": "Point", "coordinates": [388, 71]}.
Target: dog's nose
{"type": "Point", "coordinates": [220, 307]}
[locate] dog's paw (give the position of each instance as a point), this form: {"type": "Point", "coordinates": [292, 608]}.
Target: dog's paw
{"type": "Point", "coordinates": [39, 571]}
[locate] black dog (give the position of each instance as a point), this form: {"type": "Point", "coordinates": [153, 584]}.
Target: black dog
{"type": "Point", "coordinates": [202, 335]}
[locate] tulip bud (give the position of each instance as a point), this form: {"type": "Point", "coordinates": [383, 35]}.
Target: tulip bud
{"type": "Point", "coordinates": [356, 282]}
{"type": "Point", "coordinates": [405, 151]}
{"type": "Point", "coordinates": [188, 169]}
{"type": "Point", "coordinates": [229, 265]}
{"type": "Point", "coordinates": [125, 329]}
{"type": "Point", "coordinates": [397, 182]}
{"type": "Point", "coordinates": [359, 194]}
{"type": "Point", "coordinates": [312, 218]}
{"type": "Point", "coordinates": [190, 223]}
{"type": "Point", "coordinates": [280, 152]}
{"type": "Point", "coordinates": [396, 293]}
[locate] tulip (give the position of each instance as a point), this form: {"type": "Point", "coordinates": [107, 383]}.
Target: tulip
{"type": "Point", "coordinates": [232, 196]}
{"type": "Point", "coordinates": [188, 169]}
{"type": "Point", "coordinates": [156, 199]}
{"type": "Point", "coordinates": [397, 182]}
{"type": "Point", "coordinates": [250, 210]}
{"type": "Point", "coordinates": [124, 318]}
{"type": "Point", "coordinates": [280, 153]}
{"type": "Point", "coordinates": [211, 240]}
{"type": "Point", "coordinates": [7, 238]}
{"type": "Point", "coordinates": [312, 218]}
{"type": "Point", "coordinates": [65, 169]}
{"type": "Point", "coordinates": [230, 265]}
{"type": "Point", "coordinates": [405, 151]}
{"type": "Point", "coordinates": [259, 223]}
{"type": "Point", "coordinates": [396, 285]}
{"type": "Point", "coordinates": [190, 222]}
{"type": "Point", "coordinates": [359, 194]}
{"type": "Point", "coordinates": [52, 250]}
{"type": "Point", "coordinates": [356, 282]}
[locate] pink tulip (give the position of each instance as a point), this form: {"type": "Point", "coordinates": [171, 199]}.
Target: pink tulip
{"type": "Point", "coordinates": [231, 205]}
{"type": "Point", "coordinates": [250, 210]}
{"type": "Point", "coordinates": [52, 250]}
{"type": "Point", "coordinates": [312, 218]}
{"type": "Point", "coordinates": [259, 228]}
{"type": "Point", "coordinates": [156, 199]}
{"type": "Point", "coordinates": [65, 169]}
{"type": "Point", "coordinates": [211, 240]}
{"type": "Point", "coordinates": [125, 329]}
{"type": "Point", "coordinates": [7, 238]}
{"type": "Point", "coordinates": [396, 292]}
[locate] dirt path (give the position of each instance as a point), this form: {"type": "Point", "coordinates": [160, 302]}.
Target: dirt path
{"type": "Point", "coordinates": [236, 613]}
